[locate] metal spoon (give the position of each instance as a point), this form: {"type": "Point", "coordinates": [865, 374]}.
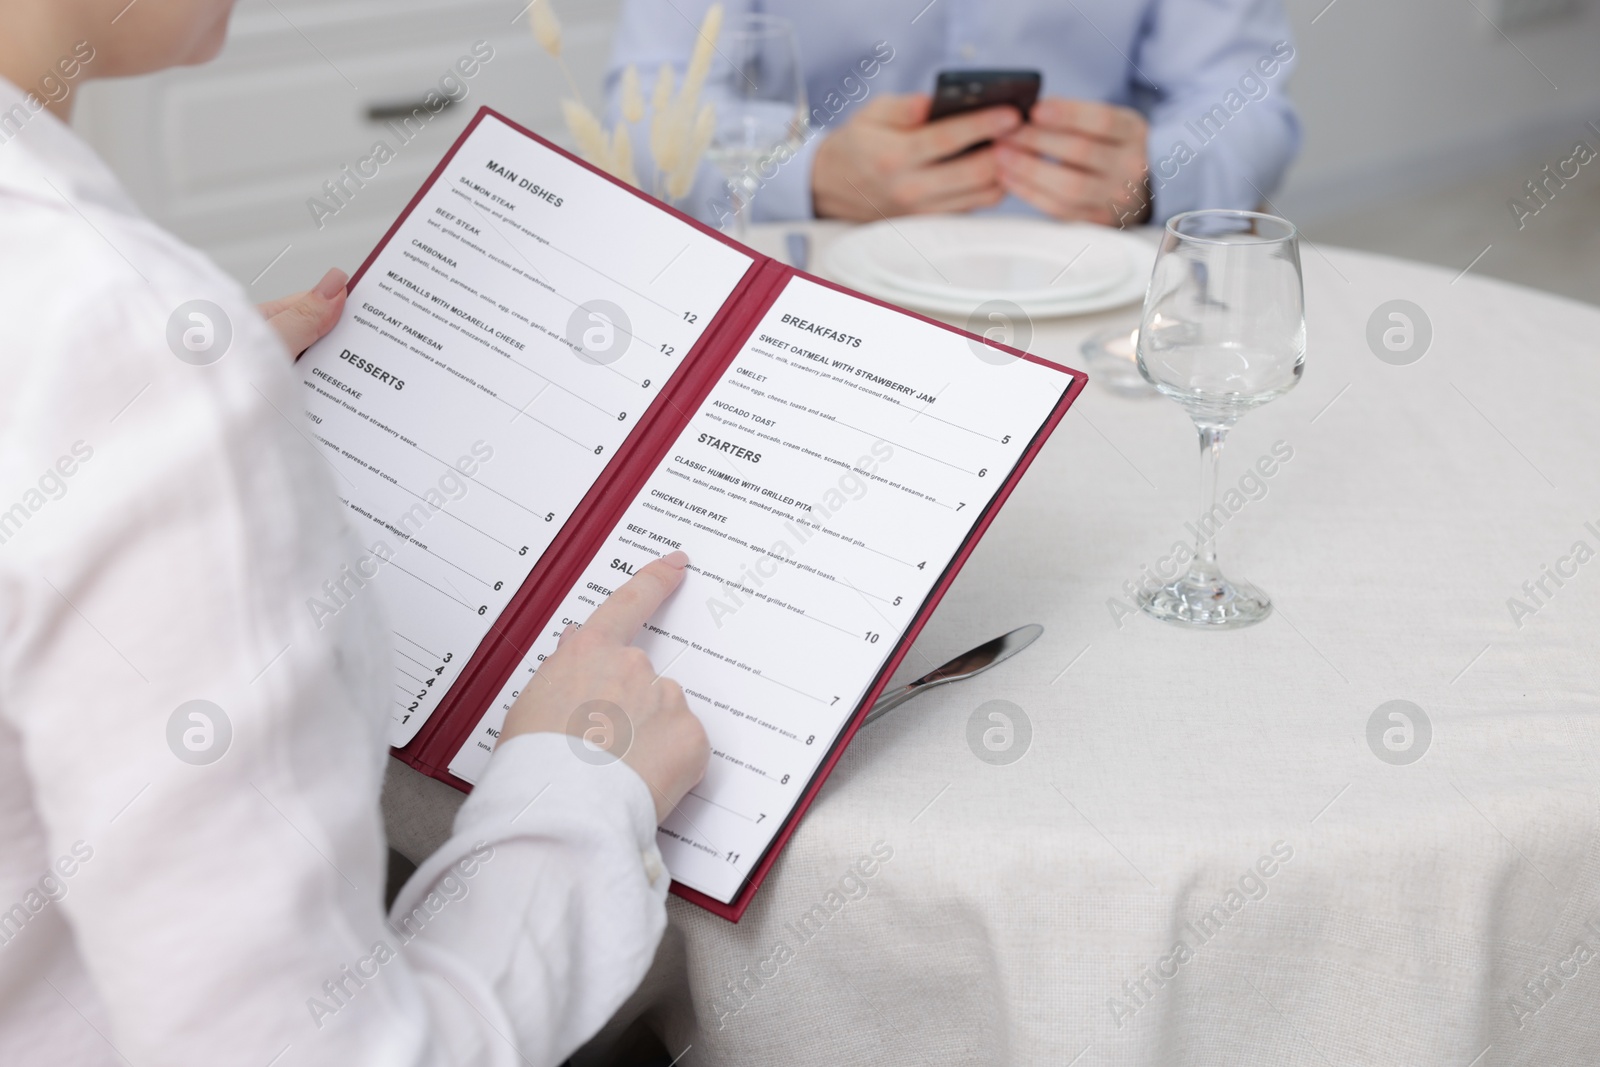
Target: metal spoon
{"type": "Point", "coordinates": [964, 666]}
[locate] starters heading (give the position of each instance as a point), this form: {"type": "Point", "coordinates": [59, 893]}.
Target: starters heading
{"type": "Point", "coordinates": [735, 450]}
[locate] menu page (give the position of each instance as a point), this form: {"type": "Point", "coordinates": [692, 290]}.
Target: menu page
{"type": "Point", "coordinates": [488, 366]}
{"type": "Point", "coordinates": [820, 492]}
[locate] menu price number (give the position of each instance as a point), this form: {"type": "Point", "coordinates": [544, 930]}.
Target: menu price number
{"type": "Point", "coordinates": [427, 685]}
{"type": "Point", "coordinates": [691, 317]}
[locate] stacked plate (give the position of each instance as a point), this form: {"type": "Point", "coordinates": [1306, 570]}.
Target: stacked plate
{"type": "Point", "coordinates": [952, 265]}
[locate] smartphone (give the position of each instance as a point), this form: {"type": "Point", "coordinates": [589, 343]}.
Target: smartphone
{"type": "Point", "coordinates": [959, 91]}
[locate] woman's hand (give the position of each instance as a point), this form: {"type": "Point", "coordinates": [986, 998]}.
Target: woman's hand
{"type": "Point", "coordinates": [598, 686]}
{"type": "Point", "coordinates": [305, 318]}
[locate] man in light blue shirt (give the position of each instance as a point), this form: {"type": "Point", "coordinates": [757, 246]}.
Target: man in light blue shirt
{"type": "Point", "coordinates": [1148, 107]}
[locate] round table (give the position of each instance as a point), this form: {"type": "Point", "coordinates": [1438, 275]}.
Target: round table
{"type": "Point", "coordinates": [1230, 847]}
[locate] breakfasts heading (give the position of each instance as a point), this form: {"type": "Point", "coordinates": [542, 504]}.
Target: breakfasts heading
{"type": "Point", "coordinates": [821, 331]}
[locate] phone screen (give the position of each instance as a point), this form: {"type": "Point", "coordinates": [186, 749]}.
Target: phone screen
{"type": "Point", "coordinates": [959, 91]}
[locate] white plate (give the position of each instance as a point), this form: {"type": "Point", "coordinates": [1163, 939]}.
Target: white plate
{"type": "Point", "coordinates": [996, 258]}
{"type": "Point", "coordinates": [965, 247]}
{"type": "Point", "coordinates": [991, 258]}
{"type": "Point", "coordinates": [1131, 291]}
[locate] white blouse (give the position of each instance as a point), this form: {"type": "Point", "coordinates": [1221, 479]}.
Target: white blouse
{"type": "Point", "coordinates": [162, 525]}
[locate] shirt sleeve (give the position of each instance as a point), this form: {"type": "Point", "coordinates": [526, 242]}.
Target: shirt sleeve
{"type": "Point", "coordinates": [580, 946]}
{"type": "Point", "coordinates": [226, 898]}
{"type": "Point", "coordinates": [785, 192]}
{"type": "Point", "coordinates": [1222, 128]}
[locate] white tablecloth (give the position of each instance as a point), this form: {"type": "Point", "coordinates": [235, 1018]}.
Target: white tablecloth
{"type": "Point", "coordinates": [1441, 911]}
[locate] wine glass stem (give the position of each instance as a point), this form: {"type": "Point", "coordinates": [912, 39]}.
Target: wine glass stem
{"type": "Point", "coordinates": [740, 193]}
{"type": "Point", "coordinates": [1204, 568]}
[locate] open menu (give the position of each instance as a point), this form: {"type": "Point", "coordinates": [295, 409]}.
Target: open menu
{"type": "Point", "coordinates": [544, 379]}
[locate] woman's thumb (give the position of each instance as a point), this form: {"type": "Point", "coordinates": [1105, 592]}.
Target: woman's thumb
{"type": "Point", "coordinates": [308, 317]}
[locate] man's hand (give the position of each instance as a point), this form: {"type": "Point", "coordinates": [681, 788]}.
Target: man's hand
{"type": "Point", "coordinates": [666, 745]}
{"type": "Point", "coordinates": [1079, 161]}
{"type": "Point", "coordinates": [305, 318]}
{"type": "Point", "coordinates": [890, 160]}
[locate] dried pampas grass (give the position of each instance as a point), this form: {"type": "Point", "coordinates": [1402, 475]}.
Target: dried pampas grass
{"type": "Point", "coordinates": [622, 156]}
{"type": "Point", "coordinates": [587, 131]}
{"type": "Point", "coordinates": [547, 31]}
{"type": "Point", "coordinates": [679, 127]}
{"type": "Point", "coordinates": [632, 98]}
{"type": "Point", "coordinates": [681, 179]}
{"type": "Point", "coordinates": [546, 27]}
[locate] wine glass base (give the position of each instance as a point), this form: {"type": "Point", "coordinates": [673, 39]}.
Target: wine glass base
{"type": "Point", "coordinates": [1215, 604]}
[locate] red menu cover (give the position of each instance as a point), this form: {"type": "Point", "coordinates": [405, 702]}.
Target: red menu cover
{"type": "Point", "coordinates": [814, 450]}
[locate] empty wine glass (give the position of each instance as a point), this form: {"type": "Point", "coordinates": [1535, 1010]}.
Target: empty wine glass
{"type": "Point", "coordinates": [1223, 332]}
{"type": "Point", "coordinates": [760, 97]}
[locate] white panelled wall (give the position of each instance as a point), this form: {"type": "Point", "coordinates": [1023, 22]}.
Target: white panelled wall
{"type": "Point", "coordinates": [231, 155]}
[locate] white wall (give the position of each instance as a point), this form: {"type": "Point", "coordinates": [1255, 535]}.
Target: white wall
{"type": "Point", "coordinates": [1403, 95]}
{"type": "Point", "coordinates": [230, 155]}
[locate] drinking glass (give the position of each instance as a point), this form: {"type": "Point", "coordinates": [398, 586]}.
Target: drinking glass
{"type": "Point", "coordinates": [1223, 332]}
{"type": "Point", "coordinates": [756, 85]}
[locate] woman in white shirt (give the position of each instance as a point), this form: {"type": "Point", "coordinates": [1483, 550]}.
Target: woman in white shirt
{"type": "Point", "coordinates": [161, 525]}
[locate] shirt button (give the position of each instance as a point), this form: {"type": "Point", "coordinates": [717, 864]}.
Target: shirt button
{"type": "Point", "coordinates": [653, 869]}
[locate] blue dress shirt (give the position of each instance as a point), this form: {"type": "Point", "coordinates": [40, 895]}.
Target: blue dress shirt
{"type": "Point", "coordinates": [1209, 75]}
